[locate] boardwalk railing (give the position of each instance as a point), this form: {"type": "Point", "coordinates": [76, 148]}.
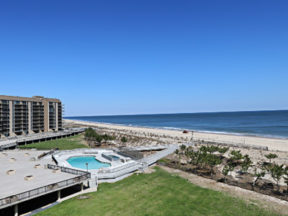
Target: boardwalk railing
{"type": "Point", "coordinates": [118, 171]}
{"type": "Point", "coordinates": [13, 142]}
{"type": "Point", "coordinates": [157, 156]}
{"type": "Point", "coordinates": [137, 165]}
{"type": "Point", "coordinates": [7, 144]}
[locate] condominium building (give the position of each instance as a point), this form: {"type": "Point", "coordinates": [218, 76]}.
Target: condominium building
{"type": "Point", "coordinates": [23, 115]}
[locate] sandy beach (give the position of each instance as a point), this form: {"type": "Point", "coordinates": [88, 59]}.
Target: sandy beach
{"type": "Point", "coordinates": [274, 144]}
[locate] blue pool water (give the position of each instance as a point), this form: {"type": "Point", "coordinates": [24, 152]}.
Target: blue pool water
{"type": "Point", "coordinates": [80, 162]}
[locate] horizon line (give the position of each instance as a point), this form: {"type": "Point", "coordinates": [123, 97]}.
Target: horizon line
{"type": "Point", "coordinates": [274, 110]}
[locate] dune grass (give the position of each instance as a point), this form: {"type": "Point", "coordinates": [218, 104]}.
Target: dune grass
{"type": "Point", "coordinates": [62, 144]}
{"type": "Point", "coordinates": [159, 193]}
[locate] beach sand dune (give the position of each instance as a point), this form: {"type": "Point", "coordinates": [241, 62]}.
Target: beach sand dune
{"type": "Point", "coordinates": [274, 144]}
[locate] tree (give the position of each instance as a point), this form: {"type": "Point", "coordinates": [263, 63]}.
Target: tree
{"type": "Point", "coordinates": [124, 139]}
{"type": "Point", "coordinates": [246, 163]}
{"type": "Point", "coordinates": [211, 149]}
{"type": "Point", "coordinates": [277, 172]}
{"type": "Point", "coordinates": [89, 133]}
{"type": "Point", "coordinates": [98, 139]}
{"type": "Point", "coordinates": [225, 171]}
{"type": "Point", "coordinates": [222, 150]}
{"type": "Point", "coordinates": [188, 151]}
{"type": "Point", "coordinates": [286, 182]}
{"type": "Point", "coordinates": [177, 151]}
{"type": "Point", "coordinates": [182, 147]}
{"type": "Point", "coordinates": [107, 137]}
{"type": "Point", "coordinates": [193, 155]}
{"type": "Point", "coordinates": [286, 178]}
{"type": "Point", "coordinates": [234, 160]}
{"type": "Point", "coordinates": [236, 155]}
{"type": "Point", "coordinates": [271, 156]}
{"type": "Point", "coordinates": [212, 160]}
{"type": "Point", "coordinates": [258, 176]}
{"type": "Point", "coordinates": [204, 157]}
{"type": "Point", "coordinates": [203, 149]}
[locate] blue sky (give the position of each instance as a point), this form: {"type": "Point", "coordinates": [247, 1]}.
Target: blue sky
{"type": "Point", "coordinates": [152, 56]}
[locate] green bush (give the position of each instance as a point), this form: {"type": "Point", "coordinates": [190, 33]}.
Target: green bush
{"type": "Point", "coordinates": [124, 140]}
{"type": "Point", "coordinates": [92, 135]}
{"type": "Point", "coordinates": [271, 156]}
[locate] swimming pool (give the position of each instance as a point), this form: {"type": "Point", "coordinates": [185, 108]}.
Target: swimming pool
{"type": "Point", "coordinates": [92, 163]}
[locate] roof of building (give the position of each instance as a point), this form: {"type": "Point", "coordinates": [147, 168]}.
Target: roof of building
{"type": "Point", "coordinates": [17, 164]}
{"type": "Point", "coordinates": [33, 99]}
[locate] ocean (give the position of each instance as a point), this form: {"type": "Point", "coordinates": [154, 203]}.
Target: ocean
{"type": "Point", "coordinates": [254, 123]}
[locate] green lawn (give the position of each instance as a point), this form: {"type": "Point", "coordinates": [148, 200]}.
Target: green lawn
{"type": "Point", "coordinates": [62, 144]}
{"type": "Point", "coordinates": [159, 193]}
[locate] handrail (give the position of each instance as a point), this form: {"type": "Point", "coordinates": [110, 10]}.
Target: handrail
{"type": "Point", "coordinates": [116, 169]}
{"type": "Point", "coordinates": [70, 170]}
{"type": "Point", "coordinates": [118, 173]}
{"type": "Point", "coordinates": [139, 164]}
{"type": "Point", "coordinates": [33, 137]}
{"type": "Point", "coordinates": [46, 153]}
{"type": "Point", "coordinates": [153, 158]}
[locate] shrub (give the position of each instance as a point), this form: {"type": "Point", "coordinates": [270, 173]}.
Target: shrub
{"type": "Point", "coordinates": [286, 178]}
{"type": "Point", "coordinates": [212, 160]}
{"type": "Point", "coordinates": [271, 156]}
{"type": "Point", "coordinates": [258, 175]}
{"type": "Point", "coordinates": [236, 155]}
{"type": "Point", "coordinates": [277, 172]}
{"type": "Point", "coordinates": [89, 133]}
{"type": "Point", "coordinates": [182, 147]}
{"type": "Point", "coordinates": [246, 163]}
{"type": "Point", "coordinates": [124, 140]}
{"type": "Point", "coordinates": [222, 150]}
{"type": "Point", "coordinates": [226, 169]}
{"type": "Point", "coordinates": [107, 137]}
{"type": "Point", "coordinates": [92, 135]}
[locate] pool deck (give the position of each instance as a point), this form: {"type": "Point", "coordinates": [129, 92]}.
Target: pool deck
{"type": "Point", "coordinates": [62, 156]}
